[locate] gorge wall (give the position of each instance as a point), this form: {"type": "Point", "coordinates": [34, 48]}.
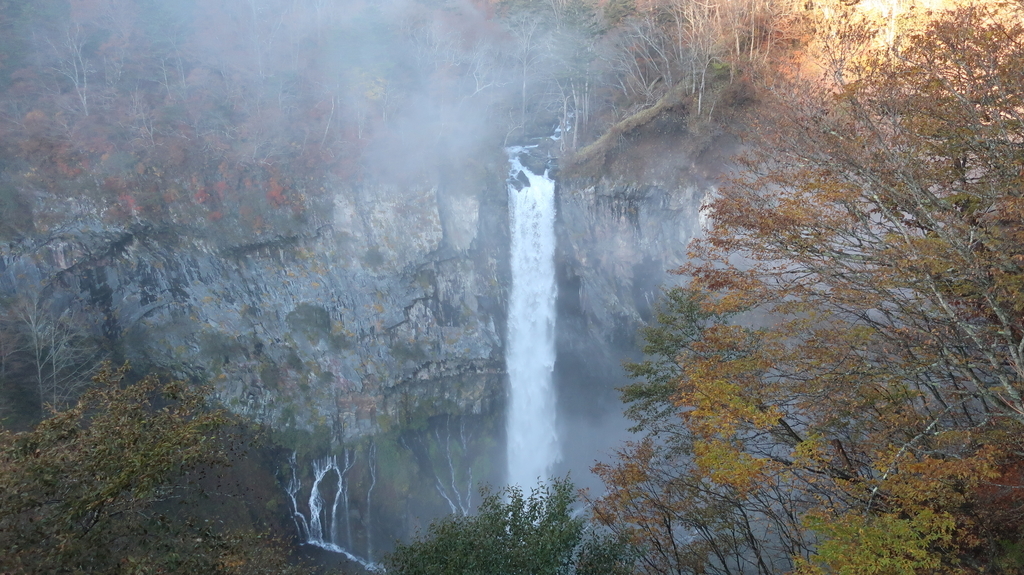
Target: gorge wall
{"type": "Point", "coordinates": [375, 330]}
{"type": "Point", "coordinates": [619, 237]}
{"type": "Point", "coordinates": [390, 302]}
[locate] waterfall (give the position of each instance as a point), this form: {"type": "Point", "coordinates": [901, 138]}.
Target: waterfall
{"type": "Point", "coordinates": [530, 359]}
{"type": "Point", "coordinates": [321, 527]}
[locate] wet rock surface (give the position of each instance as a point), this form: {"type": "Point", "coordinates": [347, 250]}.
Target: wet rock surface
{"type": "Point", "coordinates": [391, 302]}
{"type": "Point", "coordinates": [396, 295]}
{"type": "Point", "coordinates": [618, 240]}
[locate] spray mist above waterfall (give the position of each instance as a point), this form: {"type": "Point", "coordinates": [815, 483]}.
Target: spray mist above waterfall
{"type": "Point", "coordinates": [532, 438]}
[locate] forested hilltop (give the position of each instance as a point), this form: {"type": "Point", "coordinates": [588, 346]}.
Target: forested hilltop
{"type": "Point", "coordinates": [836, 387]}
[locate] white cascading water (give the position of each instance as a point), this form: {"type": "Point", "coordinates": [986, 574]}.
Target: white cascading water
{"type": "Point", "coordinates": [321, 527]}
{"type": "Point", "coordinates": [530, 359]}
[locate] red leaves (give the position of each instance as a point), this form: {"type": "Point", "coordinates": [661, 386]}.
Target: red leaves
{"type": "Point", "coordinates": [275, 193]}
{"type": "Point", "coordinates": [129, 204]}
{"type": "Point", "coordinates": [201, 196]}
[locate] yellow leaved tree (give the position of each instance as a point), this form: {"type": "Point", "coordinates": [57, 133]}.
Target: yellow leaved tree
{"type": "Point", "coordinates": [840, 387]}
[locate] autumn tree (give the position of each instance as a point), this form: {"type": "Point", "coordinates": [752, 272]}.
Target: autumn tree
{"type": "Point", "coordinates": [843, 385]}
{"type": "Point", "coordinates": [105, 487]}
{"type": "Point", "coordinates": [682, 516]}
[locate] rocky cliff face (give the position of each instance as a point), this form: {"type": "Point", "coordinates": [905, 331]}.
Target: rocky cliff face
{"type": "Point", "coordinates": [375, 329]}
{"type": "Point", "coordinates": [386, 300]}
{"type": "Point", "coordinates": [617, 241]}
{"type": "Point", "coordinates": [391, 301]}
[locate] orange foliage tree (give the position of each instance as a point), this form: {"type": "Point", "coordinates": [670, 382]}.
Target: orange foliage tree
{"type": "Point", "coordinates": [839, 388]}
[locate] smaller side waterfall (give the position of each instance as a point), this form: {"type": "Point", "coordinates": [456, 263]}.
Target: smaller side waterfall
{"type": "Point", "coordinates": [532, 437]}
{"type": "Point", "coordinates": [328, 493]}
